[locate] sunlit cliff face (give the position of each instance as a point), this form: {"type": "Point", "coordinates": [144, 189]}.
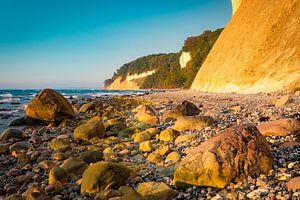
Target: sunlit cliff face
{"type": "Point", "coordinates": [258, 51]}
{"type": "Point", "coordinates": [235, 5]}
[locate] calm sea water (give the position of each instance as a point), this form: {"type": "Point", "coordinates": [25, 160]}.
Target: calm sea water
{"type": "Point", "coordinates": [12, 102]}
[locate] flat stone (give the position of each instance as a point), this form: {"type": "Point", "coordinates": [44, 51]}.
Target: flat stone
{"type": "Point", "coordinates": [281, 127]}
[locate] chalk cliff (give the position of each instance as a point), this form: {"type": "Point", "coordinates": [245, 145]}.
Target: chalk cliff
{"type": "Point", "coordinates": [165, 71]}
{"type": "Point", "coordinates": [259, 50]}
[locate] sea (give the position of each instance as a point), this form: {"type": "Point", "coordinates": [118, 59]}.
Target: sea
{"type": "Point", "coordinates": [13, 102]}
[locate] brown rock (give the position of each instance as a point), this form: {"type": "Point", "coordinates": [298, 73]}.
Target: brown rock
{"type": "Point", "coordinates": [11, 133]}
{"type": "Point", "coordinates": [294, 184]}
{"type": "Point", "coordinates": [74, 165]}
{"type": "Point", "coordinates": [57, 174]}
{"type": "Point", "coordinates": [35, 193]}
{"type": "Point", "coordinates": [49, 106]}
{"type": "Point", "coordinates": [186, 108]}
{"type": "Point", "coordinates": [192, 123]}
{"type": "Point", "coordinates": [227, 157]}
{"type": "Point", "coordinates": [282, 127]}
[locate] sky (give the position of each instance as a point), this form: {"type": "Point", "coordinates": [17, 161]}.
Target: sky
{"type": "Point", "coordinates": [80, 43]}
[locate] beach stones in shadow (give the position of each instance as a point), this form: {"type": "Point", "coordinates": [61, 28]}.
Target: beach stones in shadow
{"type": "Point", "coordinates": [11, 133]}
{"type": "Point", "coordinates": [186, 108]}
{"type": "Point", "coordinates": [190, 123]}
{"type": "Point", "coordinates": [228, 157]}
{"type": "Point", "coordinates": [103, 175]}
{"type": "Point", "coordinates": [49, 106]}
{"type": "Point", "coordinates": [281, 127]}
{"type": "Point", "coordinates": [146, 114]}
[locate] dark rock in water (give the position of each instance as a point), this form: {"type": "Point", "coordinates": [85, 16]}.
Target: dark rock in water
{"type": "Point", "coordinates": [230, 156]}
{"type": "Point", "coordinates": [21, 121]}
{"type": "Point", "coordinates": [49, 106]}
{"type": "Point", "coordinates": [34, 122]}
{"type": "Point", "coordinates": [11, 133]}
{"type": "Point", "coordinates": [15, 103]}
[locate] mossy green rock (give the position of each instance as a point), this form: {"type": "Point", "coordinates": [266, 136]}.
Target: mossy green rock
{"type": "Point", "coordinates": [91, 156]}
{"type": "Point", "coordinates": [59, 144]}
{"type": "Point", "coordinates": [104, 175]}
{"type": "Point", "coordinates": [88, 131]}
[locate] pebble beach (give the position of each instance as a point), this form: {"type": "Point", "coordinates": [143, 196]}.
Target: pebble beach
{"type": "Point", "coordinates": [131, 147]}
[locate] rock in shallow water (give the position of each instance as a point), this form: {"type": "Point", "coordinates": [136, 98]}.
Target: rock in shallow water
{"type": "Point", "coordinates": [229, 156]}
{"type": "Point", "coordinates": [49, 106]}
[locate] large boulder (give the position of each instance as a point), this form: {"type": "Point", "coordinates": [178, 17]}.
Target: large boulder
{"type": "Point", "coordinates": [103, 175]}
{"type": "Point", "coordinates": [89, 130]}
{"type": "Point", "coordinates": [192, 123]}
{"type": "Point", "coordinates": [281, 127]}
{"type": "Point", "coordinates": [146, 114]}
{"type": "Point", "coordinates": [258, 51]}
{"type": "Point", "coordinates": [49, 106]}
{"type": "Point", "coordinates": [228, 157]}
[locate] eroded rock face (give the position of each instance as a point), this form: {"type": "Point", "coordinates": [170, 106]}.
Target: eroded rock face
{"type": "Point", "coordinates": [228, 157]}
{"type": "Point", "coordinates": [258, 51]}
{"type": "Point", "coordinates": [49, 106]}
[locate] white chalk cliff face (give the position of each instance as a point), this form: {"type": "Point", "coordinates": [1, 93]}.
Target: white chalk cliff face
{"type": "Point", "coordinates": [130, 83]}
{"type": "Point", "coordinates": [235, 5]}
{"type": "Point", "coordinates": [185, 58]}
{"type": "Point", "coordinates": [258, 51]}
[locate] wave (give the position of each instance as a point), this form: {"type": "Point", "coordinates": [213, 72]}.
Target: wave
{"type": "Point", "coordinates": [7, 112]}
{"type": "Point", "coordinates": [7, 95]}
{"type": "Point", "coordinates": [9, 100]}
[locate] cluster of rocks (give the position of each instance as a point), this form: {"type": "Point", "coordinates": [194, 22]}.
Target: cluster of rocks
{"type": "Point", "coordinates": [131, 148]}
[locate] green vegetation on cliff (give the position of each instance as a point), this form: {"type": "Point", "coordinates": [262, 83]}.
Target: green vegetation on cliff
{"type": "Point", "coordinates": [168, 71]}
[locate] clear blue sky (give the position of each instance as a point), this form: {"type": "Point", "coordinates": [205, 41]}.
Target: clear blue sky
{"type": "Point", "coordinates": [80, 43]}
